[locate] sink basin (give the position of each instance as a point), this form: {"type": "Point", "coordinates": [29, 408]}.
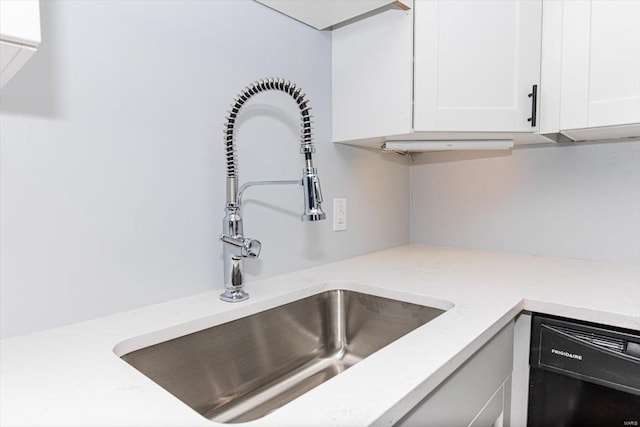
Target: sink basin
{"type": "Point", "coordinates": [244, 369]}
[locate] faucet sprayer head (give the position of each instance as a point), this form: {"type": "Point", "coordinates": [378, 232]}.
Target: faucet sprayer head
{"type": "Point", "coordinates": [312, 196]}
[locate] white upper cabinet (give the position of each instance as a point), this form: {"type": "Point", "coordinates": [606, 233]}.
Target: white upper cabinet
{"type": "Point", "coordinates": [19, 35]}
{"type": "Point", "coordinates": [443, 70]}
{"type": "Point", "coordinates": [323, 14]}
{"type": "Point", "coordinates": [372, 76]}
{"type": "Point", "coordinates": [597, 68]}
{"type": "Point", "coordinates": [475, 64]}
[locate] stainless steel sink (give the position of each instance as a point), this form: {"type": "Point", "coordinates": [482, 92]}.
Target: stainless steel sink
{"type": "Point", "coordinates": [242, 370]}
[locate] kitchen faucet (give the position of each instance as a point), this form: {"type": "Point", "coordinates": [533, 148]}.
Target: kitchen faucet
{"type": "Point", "coordinates": [236, 247]}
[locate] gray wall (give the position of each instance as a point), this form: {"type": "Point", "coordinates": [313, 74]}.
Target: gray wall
{"type": "Point", "coordinates": [574, 201]}
{"type": "Point", "coordinates": [112, 185]}
{"type": "Point", "coordinates": [112, 171]}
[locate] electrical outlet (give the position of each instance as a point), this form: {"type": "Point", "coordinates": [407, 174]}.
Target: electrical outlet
{"type": "Point", "coordinates": [339, 214]}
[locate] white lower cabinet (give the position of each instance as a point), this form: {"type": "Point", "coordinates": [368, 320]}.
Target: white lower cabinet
{"type": "Point", "coordinates": [478, 394]}
{"type": "Point", "coordinates": [520, 375]}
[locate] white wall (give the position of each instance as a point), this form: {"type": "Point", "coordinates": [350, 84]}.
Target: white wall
{"type": "Point", "coordinates": [574, 201]}
{"type": "Point", "coordinates": [112, 185]}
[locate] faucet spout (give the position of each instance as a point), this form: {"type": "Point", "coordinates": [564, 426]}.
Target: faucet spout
{"type": "Point", "coordinates": [236, 247]}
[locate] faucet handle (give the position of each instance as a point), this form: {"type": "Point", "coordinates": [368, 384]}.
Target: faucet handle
{"type": "Point", "coordinates": [249, 247]}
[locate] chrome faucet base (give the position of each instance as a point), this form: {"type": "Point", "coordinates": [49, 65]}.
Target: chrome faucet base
{"type": "Point", "coordinates": [234, 295]}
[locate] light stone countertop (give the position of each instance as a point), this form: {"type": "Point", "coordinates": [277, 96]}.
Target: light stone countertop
{"type": "Point", "coordinates": [72, 375]}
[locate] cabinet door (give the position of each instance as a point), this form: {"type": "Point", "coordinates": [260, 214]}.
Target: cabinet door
{"type": "Point", "coordinates": [372, 76]}
{"type": "Point", "coordinates": [600, 83]}
{"type": "Point", "coordinates": [475, 64]}
{"type": "Point", "coordinates": [474, 395]}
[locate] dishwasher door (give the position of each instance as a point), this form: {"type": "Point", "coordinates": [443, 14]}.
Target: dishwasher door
{"type": "Point", "coordinates": [582, 374]}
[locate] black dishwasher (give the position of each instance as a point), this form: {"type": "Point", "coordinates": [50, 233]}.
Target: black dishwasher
{"type": "Point", "coordinates": [583, 374]}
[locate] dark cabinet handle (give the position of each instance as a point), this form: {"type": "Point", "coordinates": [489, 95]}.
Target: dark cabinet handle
{"type": "Point", "coordinates": [534, 105]}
